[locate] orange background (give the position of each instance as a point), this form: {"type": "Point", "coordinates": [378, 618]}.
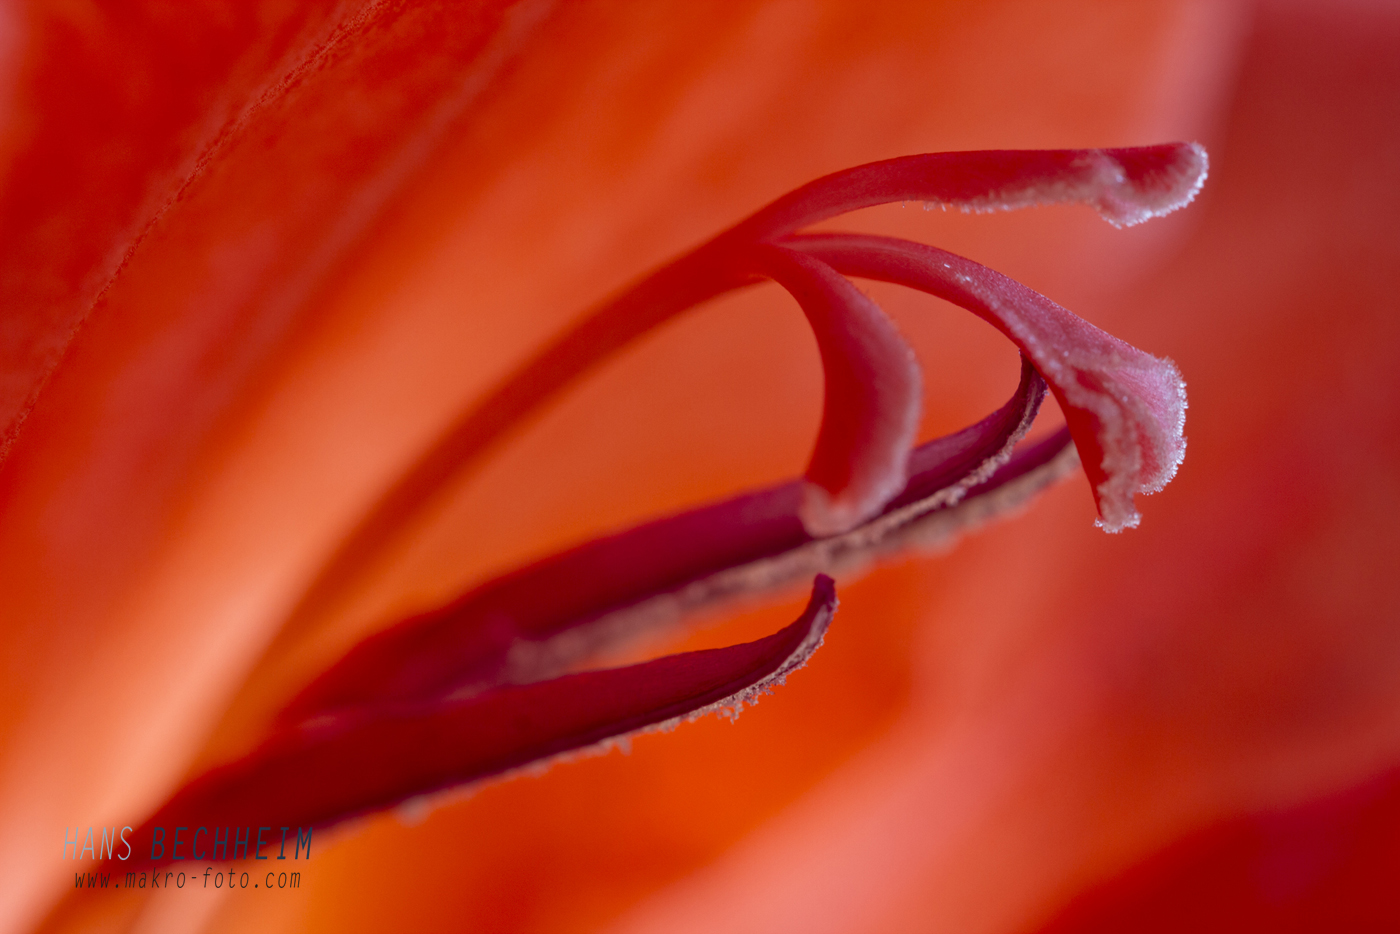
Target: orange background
{"type": "Point", "coordinates": [985, 733]}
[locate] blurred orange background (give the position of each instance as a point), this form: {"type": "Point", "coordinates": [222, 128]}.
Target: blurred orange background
{"type": "Point", "coordinates": [256, 255]}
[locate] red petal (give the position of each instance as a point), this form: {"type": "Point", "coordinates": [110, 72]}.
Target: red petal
{"type": "Point", "coordinates": [1327, 865]}
{"type": "Point", "coordinates": [116, 113]}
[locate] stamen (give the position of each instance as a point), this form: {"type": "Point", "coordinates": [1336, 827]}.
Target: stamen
{"type": "Point", "coordinates": [537, 621]}
{"type": "Point", "coordinates": [1126, 186]}
{"type": "Point", "coordinates": [465, 691]}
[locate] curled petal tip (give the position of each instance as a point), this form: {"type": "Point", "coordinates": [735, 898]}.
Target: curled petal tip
{"type": "Point", "coordinates": [1138, 184]}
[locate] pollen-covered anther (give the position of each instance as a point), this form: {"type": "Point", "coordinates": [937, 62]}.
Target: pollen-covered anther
{"type": "Point", "coordinates": [1136, 185]}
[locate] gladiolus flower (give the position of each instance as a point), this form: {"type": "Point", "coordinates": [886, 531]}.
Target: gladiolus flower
{"type": "Point", "coordinates": [206, 379]}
